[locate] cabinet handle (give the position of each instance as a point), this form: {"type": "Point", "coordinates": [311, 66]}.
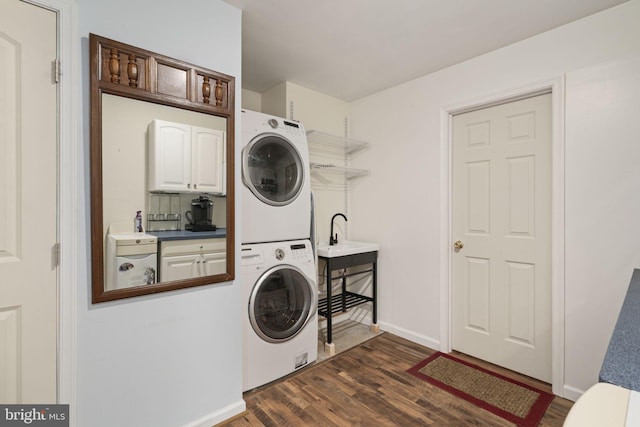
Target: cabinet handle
{"type": "Point", "coordinates": [195, 186]}
{"type": "Point", "coordinates": [188, 185]}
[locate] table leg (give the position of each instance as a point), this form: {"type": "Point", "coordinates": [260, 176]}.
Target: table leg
{"type": "Point", "coordinates": [344, 292]}
{"type": "Point", "coordinates": [375, 292]}
{"type": "Point", "coordinates": [329, 312]}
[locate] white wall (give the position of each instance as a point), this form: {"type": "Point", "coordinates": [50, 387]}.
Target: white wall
{"type": "Point", "coordinates": [602, 207]}
{"type": "Point", "coordinates": [251, 100]}
{"type": "Point", "coordinates": [274, 101]}
{"type": "Point", "coordinates": [171, 359]}
{"type": "Point", "coordinates": [400, 204]}
{"type": "Point", "coordinates": [316, 110]}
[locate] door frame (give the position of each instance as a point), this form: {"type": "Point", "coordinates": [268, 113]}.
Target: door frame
{"type": "Point", "coordinates": [556, 88]}
{"type": "Point", "coordinates": [68, 194]}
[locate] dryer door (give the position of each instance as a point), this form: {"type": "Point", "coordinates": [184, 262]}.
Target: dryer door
{"type": "Point", "coordinates": [282, 302]}
{"type": "Point", "coordinates": [272, 169]}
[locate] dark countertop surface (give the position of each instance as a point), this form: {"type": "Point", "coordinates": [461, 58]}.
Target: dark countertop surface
{"type": "Point", "coordinates": [164, 236]}
{"type": "Point", "coordinates": [621, 364]}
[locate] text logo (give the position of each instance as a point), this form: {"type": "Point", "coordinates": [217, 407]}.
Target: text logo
{"type": "Point", "coordinates": [34, 415]}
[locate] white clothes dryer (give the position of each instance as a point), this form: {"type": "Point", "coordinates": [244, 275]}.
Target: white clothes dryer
{"type": "Point", "coordinates": [276, 191]}
{"type": "Point", "coordinates": [280, 324]}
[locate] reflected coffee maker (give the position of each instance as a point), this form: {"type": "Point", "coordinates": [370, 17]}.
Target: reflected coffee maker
{"type": "Point", "coordinates": [200, 216]}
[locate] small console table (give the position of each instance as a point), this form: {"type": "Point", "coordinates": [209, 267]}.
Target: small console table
{"type": "Point", "coordinates": [341, 302]}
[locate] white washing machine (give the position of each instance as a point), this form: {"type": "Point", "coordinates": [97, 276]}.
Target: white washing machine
{"type": "Point", "coordinates": [131, 258]}
{"type": "Point", "coordinates": [276, 191]}
{"type": "Point", "coordinates": [280, 325]}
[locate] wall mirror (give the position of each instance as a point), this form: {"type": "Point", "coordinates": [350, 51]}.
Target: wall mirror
{"type": "Point", "coordinates": [162, 168]}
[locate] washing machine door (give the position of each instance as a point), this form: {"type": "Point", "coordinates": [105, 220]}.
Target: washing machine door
{"type": "Point", "coordinates": [282, 302]}
{"type": "Point", "coordinates": [272, 169]}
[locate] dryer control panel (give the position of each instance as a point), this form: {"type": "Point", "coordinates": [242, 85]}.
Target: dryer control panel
{"type": "Point", "coordinates": [294, 128]}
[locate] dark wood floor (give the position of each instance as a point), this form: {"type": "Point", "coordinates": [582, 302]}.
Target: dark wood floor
{"type": "Point", "coordinates": [368, 386]}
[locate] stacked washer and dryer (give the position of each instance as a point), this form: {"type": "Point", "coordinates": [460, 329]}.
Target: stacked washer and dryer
{"type": "Point", "coordinates": [280, 328]}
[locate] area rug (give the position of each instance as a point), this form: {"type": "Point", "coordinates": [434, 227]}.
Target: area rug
{"type": "Point", "coordinates": [514, 401]}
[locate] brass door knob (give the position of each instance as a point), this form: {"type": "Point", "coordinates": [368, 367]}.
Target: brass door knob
{"type": "Point", "coordinates": [458, 245]}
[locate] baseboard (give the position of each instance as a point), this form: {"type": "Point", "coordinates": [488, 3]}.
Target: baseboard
{"type": "Point", "coordinates": [220, 415]}
{"type": "Point", "coordinates": [572, 393]}
{"type": "Point", "coordinates": [410, 335]}
{"type": "Point", "coordinates": [384, 326]}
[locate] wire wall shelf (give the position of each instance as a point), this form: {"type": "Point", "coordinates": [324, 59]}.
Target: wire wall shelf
{"type": "Point", "coordinates": [346, 145]}
{"type": "Point", "coordinates": [346, 172]}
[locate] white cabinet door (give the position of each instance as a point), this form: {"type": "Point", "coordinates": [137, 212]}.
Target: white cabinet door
{"type": "Point", "coordinates": [214, 263]}
{"type": "Point", "coordinates": [180, 267]}
{"type": "Point", "coordinates": [169, 156]}
{"type": "Point", "coordinates": [208, 162]}
{"type": "Point", "coordinates": [186, 159]}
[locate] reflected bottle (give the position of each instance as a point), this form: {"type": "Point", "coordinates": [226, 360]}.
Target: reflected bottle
{"type": "Point", "coordinates": [138, 222]}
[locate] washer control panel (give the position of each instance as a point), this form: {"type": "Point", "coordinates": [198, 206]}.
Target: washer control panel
{"type": "Point", "coordinates": [301, 251]}
{"type": "Point", "coordinates": [293, 252]}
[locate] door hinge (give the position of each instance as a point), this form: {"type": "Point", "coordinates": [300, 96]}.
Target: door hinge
{"type": "Point", "coordinates": [55, 256]}
{"type": "Point", "coordinates": [56, 71]}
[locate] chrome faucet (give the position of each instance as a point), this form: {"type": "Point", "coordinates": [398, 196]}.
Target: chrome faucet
{"type": "Point", "coordinates": [334, 240]}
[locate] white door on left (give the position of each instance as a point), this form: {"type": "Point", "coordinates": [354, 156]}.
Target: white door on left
{"type": "Point", "coordinates": [28, 204]}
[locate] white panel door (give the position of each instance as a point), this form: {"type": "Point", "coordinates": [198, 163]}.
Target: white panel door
{"type": "Point", "coordinates": [28, 204]}
{"type": "Point", "coordinates": [207, 147]}
{"type": "Point", "coordinates": [501, 274]}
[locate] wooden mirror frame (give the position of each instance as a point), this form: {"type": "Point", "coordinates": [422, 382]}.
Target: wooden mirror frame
{"type": "Point", "coordinates": [138, 74]}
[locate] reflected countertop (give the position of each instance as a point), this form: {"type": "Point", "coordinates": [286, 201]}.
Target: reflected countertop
{"type": "Point", "coordinates": [164, 236]}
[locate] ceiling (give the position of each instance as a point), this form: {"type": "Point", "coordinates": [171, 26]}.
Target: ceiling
{"type": "Point", "coordinates": [349, 49]}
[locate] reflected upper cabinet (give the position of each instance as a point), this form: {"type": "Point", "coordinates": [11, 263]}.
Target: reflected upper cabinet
{"type": "Point", "coordinates": [161, 130]}
{"type": "Point", "coordinates": [186, 159]}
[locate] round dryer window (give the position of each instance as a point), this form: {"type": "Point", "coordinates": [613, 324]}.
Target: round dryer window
{"type": "Point", "coordinates": [272, 169]}
{"type": "Point", "coordinates": [281, 303]}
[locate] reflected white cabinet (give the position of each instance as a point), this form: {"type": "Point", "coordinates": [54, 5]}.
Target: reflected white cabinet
{"type": "Point", "coordinates": [186, 259]}
{"type": "Point", "coordinates": [208, 160]}
{"type": "Point", "coordinates": [186, 159]}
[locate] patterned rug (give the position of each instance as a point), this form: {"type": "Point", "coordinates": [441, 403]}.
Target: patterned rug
{"type": "Point", "coordinates": [516, 402]}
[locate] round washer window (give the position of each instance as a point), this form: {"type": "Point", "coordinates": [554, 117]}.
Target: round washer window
{"type": "Point", "coordinates": [272, 169]}
{"type": "Point", "coordinates": [282, 301]}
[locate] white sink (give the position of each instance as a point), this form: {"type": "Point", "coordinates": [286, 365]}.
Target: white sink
{"type": "Point", "coordinates": [346, 248]}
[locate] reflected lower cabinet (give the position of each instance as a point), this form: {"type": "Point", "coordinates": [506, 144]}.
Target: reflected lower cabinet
{"type": "Point", "coordinates": [185, 259]}
{"type": "Point", "coordinates": [186, 159]}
